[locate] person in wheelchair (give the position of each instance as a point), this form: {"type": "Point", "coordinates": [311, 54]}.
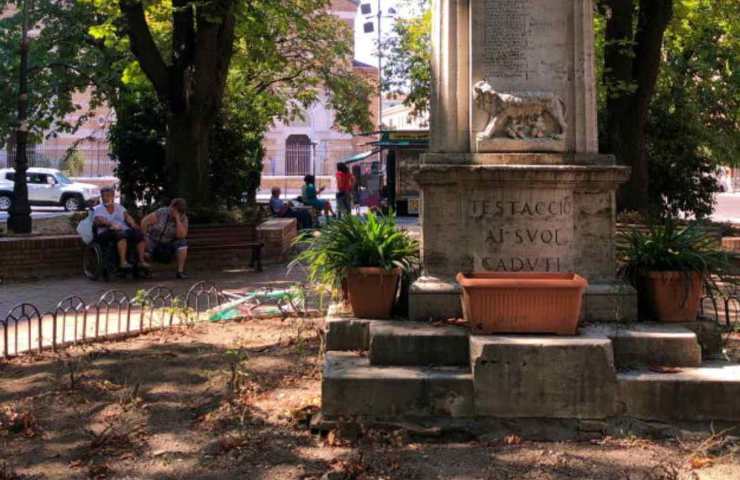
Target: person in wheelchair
{"type": "Point", "coordinates": [166, 230]}
{"type": "Point", "coordinates": [115, 226]}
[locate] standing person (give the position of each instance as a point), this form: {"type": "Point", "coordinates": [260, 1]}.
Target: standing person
{"type": "Point", "coordinates": [166, 230]}
{"type": "Point", "coordinates": [345, 184]}
{"type": "Point", "coordinates": [311, 196]}
{"type": "Point", "coordinates": [116, 225]}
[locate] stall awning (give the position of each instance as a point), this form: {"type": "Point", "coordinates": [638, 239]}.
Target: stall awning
{"type": "Point", "coordinates": [403, 139]}
{"type": "Point", "coordinates": [359, 157]}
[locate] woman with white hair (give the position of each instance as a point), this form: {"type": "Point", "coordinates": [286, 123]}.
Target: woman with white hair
{"type": "Point", "coordinates": [116, 225]}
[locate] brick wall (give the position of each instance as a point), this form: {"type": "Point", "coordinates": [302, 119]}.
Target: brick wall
{"type": "Point", "coordinates": [277, 234]}
{"type": "Point", "coordinates": [25, 258]}
{"type": "Point", "coordinates": [38, 257]}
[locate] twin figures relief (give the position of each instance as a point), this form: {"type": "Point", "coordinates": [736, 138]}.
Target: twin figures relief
{"type": "Point", "coordinates": [528, 117]}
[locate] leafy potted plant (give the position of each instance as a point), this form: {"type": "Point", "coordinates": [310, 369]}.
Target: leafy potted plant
{"type": "Point", "coordinates": [366, 254]}
{"type": "Point", "coordinates": [670, 266]}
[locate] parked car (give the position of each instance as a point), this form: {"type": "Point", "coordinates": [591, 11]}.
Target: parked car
{"type": "Point", "coordinates": [48, 187]}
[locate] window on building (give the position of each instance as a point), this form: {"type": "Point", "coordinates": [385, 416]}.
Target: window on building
{"type": "Point", "coordinates": [298, 155]}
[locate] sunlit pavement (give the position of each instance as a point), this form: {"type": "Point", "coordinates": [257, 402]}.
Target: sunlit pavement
{"type": "Point", "coordinates": [727, 208]}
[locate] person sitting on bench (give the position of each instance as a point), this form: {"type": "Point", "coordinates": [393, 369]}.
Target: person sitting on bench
{"type": "Point", "coordinates": [117, 226]}
{"type": "Point", "coordinates": [282, 209]}
{"type": "Point", "coordinates": [166, 230]}
{"type": "Point", "coordinates": [310, 196]}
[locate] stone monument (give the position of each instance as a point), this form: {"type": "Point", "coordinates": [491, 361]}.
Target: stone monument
{"type": "Point", "coordinates": [513, 180]}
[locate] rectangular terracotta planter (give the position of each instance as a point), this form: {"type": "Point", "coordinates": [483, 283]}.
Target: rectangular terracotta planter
{"type": "Point", "coordinates": [522, 302]}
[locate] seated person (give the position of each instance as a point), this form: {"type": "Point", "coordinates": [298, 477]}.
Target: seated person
{"type": "Point", "coordinates": [166, 230]}
{"type": "Point", "coordinates": [310, 196]}
{"type": "Point", "coordinates": [115, 225]}
{"type": "Point", "coordinates": [283, 209]}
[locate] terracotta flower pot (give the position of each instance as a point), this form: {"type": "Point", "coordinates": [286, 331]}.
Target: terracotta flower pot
{"type": "Point", "coordinates": [522, 302]}
{"type": "Point", "coordinates": [674, 296]}
{"type": "Point", "coordinates": [372, 291]}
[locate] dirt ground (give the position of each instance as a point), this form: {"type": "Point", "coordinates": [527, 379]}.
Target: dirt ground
{"type": "Point", "coordinates": [232, 401]}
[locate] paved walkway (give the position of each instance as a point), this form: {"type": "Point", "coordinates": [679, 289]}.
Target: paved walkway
{"type": "Point", "coordinates": [113, 318]}
{"type": "Point", "coordinates": [45, 294]}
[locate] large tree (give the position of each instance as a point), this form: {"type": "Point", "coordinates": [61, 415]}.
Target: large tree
{"type": "Point", "coordinates": [46, 56]}
{"type": "Point", "coordinates": [632, 58]}
{"type": "Point", "coordinates": [270, 58]}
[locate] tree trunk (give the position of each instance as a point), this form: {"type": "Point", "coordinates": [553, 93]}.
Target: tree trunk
{"type": "Point", "coordinates": [188, 158]}
{"type": "Point", "coordinates": [192, 86]}
{"type": "Point", "coordinates": [632, 63]}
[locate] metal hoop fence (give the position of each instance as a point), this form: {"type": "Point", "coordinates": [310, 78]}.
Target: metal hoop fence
{"type": "Point", "coordinates": [113, 315]}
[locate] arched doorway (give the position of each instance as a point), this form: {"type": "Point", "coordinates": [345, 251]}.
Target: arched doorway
{"type": "Point", "coordinates": [297, 155]}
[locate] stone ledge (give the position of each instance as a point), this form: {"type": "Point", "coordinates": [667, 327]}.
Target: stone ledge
{"type": "Point", "coordinates": [352, 387]}
{"type": "Point", "coordinates": [649, 344]}
{"type": "Point", "coordinates": [438, 298]}
{"type": "Point", "coordinates": [418, 344]}
{"type": "Point", "coordinates": [710, 392]}
{"type": "Point", "coordinates": [542, 376]}
{"type": "Point", "coordinates": [605, 177]}
{"type": "Point", "coordinates": [529, 158]}
{"type": "Point", "coordinates": [348, 333]}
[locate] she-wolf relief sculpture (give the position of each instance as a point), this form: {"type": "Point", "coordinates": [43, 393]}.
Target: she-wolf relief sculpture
{"type": "Point", "coordinates": [520, 116]}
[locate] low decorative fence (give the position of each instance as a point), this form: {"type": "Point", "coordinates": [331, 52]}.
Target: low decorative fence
{"type": "Point", "coordinates": [114, 315]}
{"type": "Point", "coordinates": [723, 306]}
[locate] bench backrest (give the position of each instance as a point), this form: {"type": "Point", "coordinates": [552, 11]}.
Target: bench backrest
{"type": "Point", "coordinates": [222, 233]}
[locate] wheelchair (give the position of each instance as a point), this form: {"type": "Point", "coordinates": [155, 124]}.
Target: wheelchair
{"type": "Point", "coordinates": [100, 261]}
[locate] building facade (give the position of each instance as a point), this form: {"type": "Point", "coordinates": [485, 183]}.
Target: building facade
{"type": "Point", "coordinates": [314, 145]}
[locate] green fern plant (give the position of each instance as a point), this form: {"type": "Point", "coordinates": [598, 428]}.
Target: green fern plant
{"type": "Point", "coordinates": [670, 247]}
{"type": "Point", "coordinates": [353, 241]}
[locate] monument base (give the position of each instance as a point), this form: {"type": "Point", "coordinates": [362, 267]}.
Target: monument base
{"type": "Point", "coordinates": [519, 212]}
{"type": "Point", "coordinates": [435, 298]}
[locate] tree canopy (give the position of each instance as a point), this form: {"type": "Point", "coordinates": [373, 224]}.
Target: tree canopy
{"type": "Point", "coordinates": [263, 59]}
{"type": "Point", "coordinates": [64, 58]}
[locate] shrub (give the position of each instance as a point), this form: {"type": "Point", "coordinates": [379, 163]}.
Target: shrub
{"type": "Point", "coordinates": [352, 241]}
{"type": "Point", "coordinates": [670, 247]}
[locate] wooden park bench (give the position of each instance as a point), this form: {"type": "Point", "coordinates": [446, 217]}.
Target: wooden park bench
{"type": "Point", "coordinates": [205, 241]}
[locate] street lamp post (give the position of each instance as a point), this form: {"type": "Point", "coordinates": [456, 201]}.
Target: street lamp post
{"type": "Point", "coordinates": [380, 66]}
{"type": "Point", "coordinates": [19, 220]}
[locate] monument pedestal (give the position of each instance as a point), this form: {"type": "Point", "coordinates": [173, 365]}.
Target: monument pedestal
{"type": "Point", "coordinates": [538, 212]}
{"type": "Point", "coordinates": [434, 298]}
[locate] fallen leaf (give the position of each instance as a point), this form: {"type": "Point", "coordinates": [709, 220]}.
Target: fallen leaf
{"type": "Point", "coordinates": [512, 440]}
{"type": "Point", "coordinates": [700, 462]}
{"type": "Point", "coordinates": [659, 369]}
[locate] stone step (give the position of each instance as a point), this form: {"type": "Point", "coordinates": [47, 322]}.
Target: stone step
{"type": "Point", "coordinates": [418, 344]}
{"type": "Point", "coordinates": [534, 376]}
{"type": "Point", "coordinates": [352, 387]}
{"type": "Point", "coordinates": [649, 344]}
{"type": "Point", "coordinates": [710, 392]}
{"type": "Point", "coordinates": [347, 333]}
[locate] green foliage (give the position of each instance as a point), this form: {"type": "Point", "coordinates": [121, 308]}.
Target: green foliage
{"type": "Point", "coordinates": [291, 54]}
{"type": "Point", "coordinates": [694, 122]}
{"type": "Point", "coordinates": [353, 241]}
{"type": "Point", "coordinates": [137, 141]}
{"type": "Point", "coordinates": [682, 174]}
{"type": "Point", "coordinates": [73, 164]}
{"type": "Point", "coordinates": [64, 58]}
{"type": "Point", "coordinates": [669, 247]}
{"type": "Point", "coordinates": [236, 162]}
{"type": "Point", "coordinates": [408, 68]}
